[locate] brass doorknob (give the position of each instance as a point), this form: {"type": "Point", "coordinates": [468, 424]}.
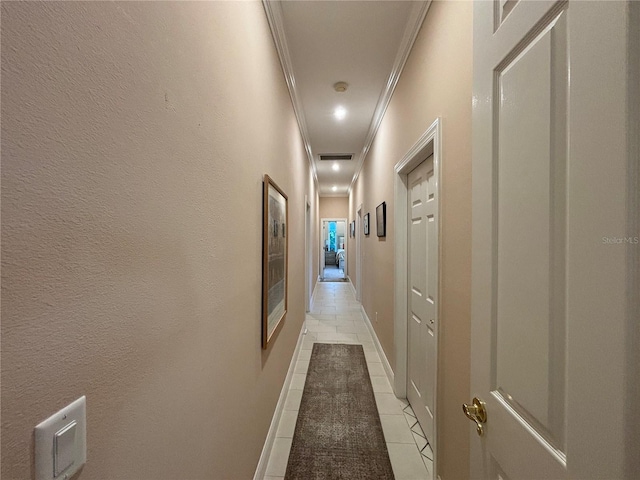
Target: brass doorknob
{"type": "Point", "coordinates": [476, 412]}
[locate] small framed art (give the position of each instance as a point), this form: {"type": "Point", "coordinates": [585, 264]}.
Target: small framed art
{"type": "Point", "coordinates": [381, 219]}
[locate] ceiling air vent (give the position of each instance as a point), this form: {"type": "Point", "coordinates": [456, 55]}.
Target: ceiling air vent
{"type": "Point", "coordinates": [336, 156]}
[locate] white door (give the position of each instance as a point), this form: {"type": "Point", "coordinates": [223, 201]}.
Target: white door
{"type": "Point", "coordinates": [549, 295]}
{"type": "Point", "coordinates": [342, 263]}
{"type": "Point", "coordinates": [359, 254]}
{"type": "Point", "coordinates": [423, 284]}
{"type": "Point", "coordinates": [308, 282]}
{"type": "Point", "coordinates": [323, 243]}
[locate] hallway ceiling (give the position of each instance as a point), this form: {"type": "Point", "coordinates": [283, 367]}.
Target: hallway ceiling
{"type": "Point", "coordinates": [362, 43]}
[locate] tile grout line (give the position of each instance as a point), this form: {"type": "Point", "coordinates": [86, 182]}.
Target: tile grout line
{"type": "Point", "coordinates": [330, 302]}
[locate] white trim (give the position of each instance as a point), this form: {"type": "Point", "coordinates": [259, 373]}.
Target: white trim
{"type": "Point", "coordinates": [418, 13]}
{"type": "Point", "coordinates": [307, 254]}
{"type": "Point", "coordinates": [313, 295]}
{"type": "Point", "coordinates": [261, 469]}
{"type": "Point", "coordinates": [275, 17]}
{"type": "Point", "coordinates": [429, 143]}
{"type": "Point", "coordinates": [346, 231]}
{"type": "Point", "coordinates": [359, 238]}
{"type": "Point", "coordinates": [376, 342]}
{"type": "Point", "coordinates": [353, 288]}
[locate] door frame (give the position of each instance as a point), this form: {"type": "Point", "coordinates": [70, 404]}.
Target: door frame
{"type": "Point", "coordinates": [359, 253]}
{"type": "Point", "coordinates": [346, 231]}
{"type": "Point", "coordinates": [307, 255]}
{"type": "Point", "coordinates": [430, 142]}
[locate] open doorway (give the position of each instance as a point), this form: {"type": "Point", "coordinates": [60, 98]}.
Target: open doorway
{"type": "Point", "coordinates": [333, 257]}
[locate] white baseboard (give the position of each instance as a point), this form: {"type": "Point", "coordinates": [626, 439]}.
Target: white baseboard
{"type": "Point", "coordinates": [385, 363]}
{"type": "Point", "coordinates": [313, 295]}
{"type": "Point", "coordinates": [261, 469]}
{"type": "Point", "coordinates": [353, 289]}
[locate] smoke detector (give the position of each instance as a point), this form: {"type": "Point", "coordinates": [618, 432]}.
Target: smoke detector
{"type": "Point", "coordinates": [340, 87]}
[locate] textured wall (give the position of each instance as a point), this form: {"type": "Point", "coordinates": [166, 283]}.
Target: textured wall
{"type": "Point", "coordinates": [134, 141]}
{"type": "Point", "coordinates": [436, 82]}
{"type": "Point", "coordinates": [334, 207]}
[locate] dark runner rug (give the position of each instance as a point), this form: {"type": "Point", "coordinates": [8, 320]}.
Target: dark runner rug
{"type": "Point", "coordinates": [338, 433]}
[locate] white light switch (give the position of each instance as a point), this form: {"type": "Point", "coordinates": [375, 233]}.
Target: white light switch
{"type": "Point", "coordinates": [65, 445]}
{"type": "Point", "coordinates": [61, 442]}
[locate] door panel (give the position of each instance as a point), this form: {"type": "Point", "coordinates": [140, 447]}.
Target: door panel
{"type": "Point", "coordinates": [525, 72]}
{"type": "Point", "coordinates": [537, 191]}
{"type": "Point", "coordinates": [423, 251]}
{"type": "Point", "coordinates": [530, 219]}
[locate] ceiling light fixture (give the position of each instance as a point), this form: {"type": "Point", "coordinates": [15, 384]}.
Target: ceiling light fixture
{"type": "Point", "coordinates": [340, 87]}
{"type": "Point", "coordinates": [340, 113]}
{"type": "Point", "coordinates": [334, 188]}
{"type": "Point", "coordinates": [335, 166]}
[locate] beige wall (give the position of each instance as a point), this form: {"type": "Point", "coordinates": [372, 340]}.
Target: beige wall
{"type": "Point", "coordinates": [135, 137]}
{"type": "Point", "coordinates": [436, 82]}
{"type": "Point", "coordinates": [334, 207]}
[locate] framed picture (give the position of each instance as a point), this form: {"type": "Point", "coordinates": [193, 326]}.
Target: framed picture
{"type": "Point", "coordinates": [366, 224]}
{"type": "Point", "coordinates": [352, 229]}
{"type": "Point", "coordinates": [274, 258]}
{"type": "Point", "coordinates": [381, 219]}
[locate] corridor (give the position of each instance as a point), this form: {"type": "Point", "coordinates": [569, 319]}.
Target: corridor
{"type": "Point", "coordinates": [336, 317]}
{"type": "Point", "coordinates": [136, 140]}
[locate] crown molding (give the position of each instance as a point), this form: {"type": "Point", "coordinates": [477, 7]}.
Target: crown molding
{"type": "Point", "coordinates": [418, 13]}
{"type": "Point", "coordinates": [273, 10]}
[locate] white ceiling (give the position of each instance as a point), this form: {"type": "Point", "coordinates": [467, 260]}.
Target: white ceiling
{"type": "Point", "coordinates": [362, 43]}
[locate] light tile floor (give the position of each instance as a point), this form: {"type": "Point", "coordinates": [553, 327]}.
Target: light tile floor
{"type": "Point", "coordinates": [336, 318]}
{"type": "Point", "coordinates": [332, 272]}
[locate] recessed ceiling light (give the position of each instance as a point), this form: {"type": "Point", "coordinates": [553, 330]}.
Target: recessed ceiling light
{"type": "Point", "coordinates": [335, 167]}
{"type": "Point", "coordinates": [340, 113]}
{"type": "Point", "coordinates": [334, 188]}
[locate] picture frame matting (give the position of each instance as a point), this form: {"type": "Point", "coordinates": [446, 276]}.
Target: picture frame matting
{"type": "Point", "coordinates": [275, 259]}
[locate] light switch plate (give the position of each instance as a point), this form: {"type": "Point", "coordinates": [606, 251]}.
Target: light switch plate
{"type": "Point", "coordinates": [61, 442]}
{"type": "Point", "coordinates": [64, 448]}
